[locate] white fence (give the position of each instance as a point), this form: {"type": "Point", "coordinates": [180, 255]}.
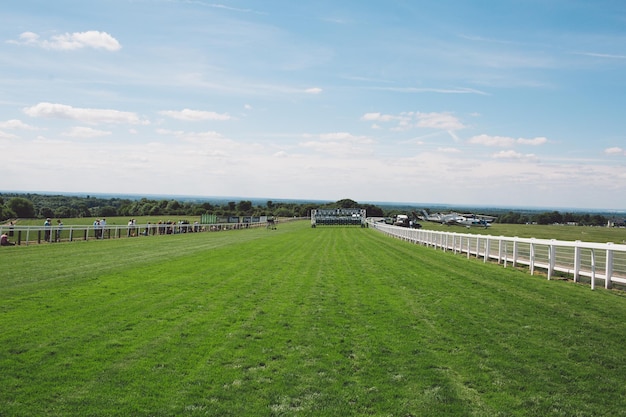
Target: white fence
{"type": "Point", "coordinates": [25, 235]}
{"type": "Point", "coordinates": [596, 261]}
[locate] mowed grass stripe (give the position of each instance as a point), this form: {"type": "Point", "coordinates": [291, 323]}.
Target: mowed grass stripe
{"type": "Point", "coordinates": [300, 321]}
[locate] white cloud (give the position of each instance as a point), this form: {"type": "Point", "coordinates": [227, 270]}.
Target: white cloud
{"type": "Point", "coordinates": [85, 133]}
{"type": "Point", "coordinates": [449, 150]}
{"type": "Point", "coordinates": [533, 142]}
{"type": "Point", "coordinates": [601, 55]}
{"type": "Point", "coordinates": [615, 151]}
{"type": "Point", "coordinates": [345, 136]}
{"type": "Point", "coordinates": [492, 140]}
{"type": "Point", "coordinates": [194, 137]}
{"type": "Point", "coordinates": [505, 141]}
{"type": "Point", "coordinates": [444, 121]}
{"type": "Point", "coordinates": [195, 115]}
{"type": "Point", "coordinates": [84, 115]}
{"type": "Point", "coordinates": [314, 90]}
{"type": "Point", "coordinates": [339, 144]}
{"type": "Point", "coordinates": [71, 41]}
{"type": "Point", "coordinates": [379, 117]}
{"type": "Point", "coordinates": [4, 135]}
{"type": "Point", "coordinates": [15, 124]}
{"type": "Point", "coordinates": [408, 120]}
{"type": "Point", "coordinates": [510, 154]}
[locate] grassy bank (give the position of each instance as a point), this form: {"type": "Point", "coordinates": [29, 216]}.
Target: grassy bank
{"type": "Point", "coordinates": [298, 321]}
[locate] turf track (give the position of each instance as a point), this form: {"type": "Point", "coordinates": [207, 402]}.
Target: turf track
{"type": "Point", "coordinates": [299, 321]}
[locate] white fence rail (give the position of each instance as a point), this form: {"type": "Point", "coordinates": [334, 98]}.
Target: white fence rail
{"type": "Point", "coordinates": [26, 235]}
{"type": "Point", "coordinates": [596, 261]}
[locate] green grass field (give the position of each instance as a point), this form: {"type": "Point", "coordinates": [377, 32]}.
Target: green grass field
{"type": "Point", "coordinates": [298, 322]}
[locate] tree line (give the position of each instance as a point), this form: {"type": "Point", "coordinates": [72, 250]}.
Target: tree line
{"type": "Point", "coordinates": [555, 217]}
{"type": "Point", "coordinates": [31, 205]}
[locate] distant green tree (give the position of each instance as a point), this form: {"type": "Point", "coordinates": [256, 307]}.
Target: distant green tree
{"type": "Point", "coordinates": [6, 213]}
{"type": "Point", "coordinates": [347, 203]}
{"type": "Point", "coordinates": [83, 210]}
{"type": "Point", "coordinates": [108, 211]}
{"type": "Point", "coordinates": [46, 212]}
{"type": "Point", "coordinates": [172, 207]}
{"type": "Point", "coordinates": [244, 207]}
{"type": "Point", "coordinates": [63, 212]}
{"type": "Point", "coordinates": [373, 211]}
{"type": "Point", "coordinates": [283, 212]}
{"type": "Point", "coordinates": [22, 207]}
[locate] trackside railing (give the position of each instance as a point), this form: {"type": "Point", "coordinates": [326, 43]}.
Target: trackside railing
{"type": "Point", "coordinates": [27, 235]}
{"type": "Point", "coordinates": [596, 261]}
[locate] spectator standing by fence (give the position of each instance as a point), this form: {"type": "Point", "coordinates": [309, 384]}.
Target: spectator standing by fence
{"type": "Point", "coordinates": [59, 230]}
{"type": "Point", "coordinates": [47, 227]}
{"type": "Point", "coordinates": [96, 228]}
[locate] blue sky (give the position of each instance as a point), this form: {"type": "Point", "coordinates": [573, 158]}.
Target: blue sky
{"type": "Point", "coordinates": [505, 103]}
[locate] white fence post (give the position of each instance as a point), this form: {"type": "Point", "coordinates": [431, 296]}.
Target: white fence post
{"type": "Point", "coordinates": [532, 258]}
{"type": "Point", "coordinates": [577, 262]}
{"type": "Point", "coordinates": [609, 267]}
{"type": "Point", "coordinates": [593, 269]}
{"type": "Point", "coordinates": [551, 259]}
{"type": "Point", "coordinates": [487, 248]}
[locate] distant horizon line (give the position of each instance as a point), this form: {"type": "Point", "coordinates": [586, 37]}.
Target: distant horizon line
{"type": "Point", "coordinates": [136, 196]}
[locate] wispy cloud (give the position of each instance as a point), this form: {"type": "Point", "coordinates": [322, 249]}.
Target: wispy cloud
{"type": "Point", "coordinates": [15, 124]}
{"type": "Point", "coordinates": [195, 115]}
{"type": "Point", "coordinates": [84, 115]}
{"type": "Point", "coordinates": [71, 41]}
{"type": "Point", "coordinates": [408, 120]}
{"type": "Point", "coordinates": [5, 135]}
{"type": "Point", "coordinates": [313, 90]}
{"type": "Point", "coordinates": [338, 144]}
{"type": "Point", "coordinates": [85, 133]}
{"type": "Point", "coordinates": [615, 151]}
{"type": "Point", "coordinates": [601, 55]}
{"type": "Point", "coordinates": [459, 90]}
{"type": "Point", "coordinates": [510, 154]}
{"type": "Point", "coordinates": [221, 6]}
{"type": "Point", "coordinates": [505, 141]}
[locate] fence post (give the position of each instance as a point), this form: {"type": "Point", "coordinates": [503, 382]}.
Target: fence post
{"type": "Point", "coordinates": [551, 259]}
{"type": "Point", "coordinates": [514, 262]}
{"type": "Point", "coordinates": [532, 258]}
{"type": "Point", "coordinates": [577, 262]}
{"type": "Point", "coordinates": [593, 269]}
{"type": "Point", "coordinates": [487, 249]}
{"type": "Point", "coordinates": [500, 242]}
{"type": "Point", "coordinates": [609, 267]}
